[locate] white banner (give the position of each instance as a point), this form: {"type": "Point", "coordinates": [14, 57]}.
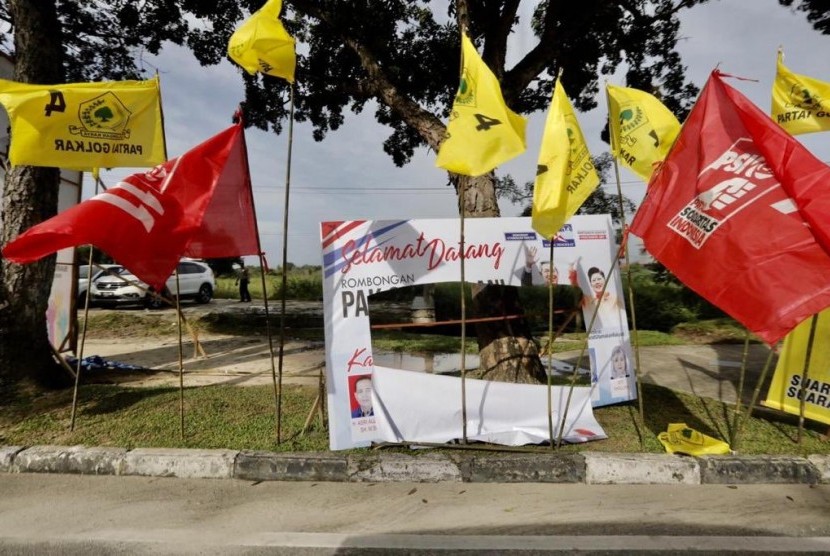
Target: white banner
{"type": "Point", "coordinates": [420, 407]}
{"type": "Point", "coordinates": [361, 258]}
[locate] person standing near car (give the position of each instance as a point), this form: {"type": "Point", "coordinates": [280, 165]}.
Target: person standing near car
{"type": "Point", "coordinates": [243, 279]}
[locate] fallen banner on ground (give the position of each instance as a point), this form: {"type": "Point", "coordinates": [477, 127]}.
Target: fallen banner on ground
{"type": "Point", "coordinates": [361, 258]}
{"type": "Point", "coordinates": [420, 407]}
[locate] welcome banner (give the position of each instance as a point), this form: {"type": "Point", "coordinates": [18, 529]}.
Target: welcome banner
{"type": "Point", "coordinates": [364, 257]}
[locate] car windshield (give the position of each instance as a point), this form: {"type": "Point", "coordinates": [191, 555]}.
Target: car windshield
{"type": "Point", "coordinates": [111, 271]}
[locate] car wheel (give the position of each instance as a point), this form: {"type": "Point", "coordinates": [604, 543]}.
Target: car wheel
{"type": "Point", "coordinates": [155, 302]}
{"type": "Point", "coordinates": [205, 294]}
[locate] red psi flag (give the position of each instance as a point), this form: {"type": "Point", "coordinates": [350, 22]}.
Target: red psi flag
{"type": "Point", "coordinates": [719, 215]}
{"type": "Point", "coordinates": [229, 225]}
{"type": "Point", "coordinates": [144, 222]}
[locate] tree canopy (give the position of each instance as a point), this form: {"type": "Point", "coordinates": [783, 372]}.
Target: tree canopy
{"type": "Point", "coordinates": [401, 54]}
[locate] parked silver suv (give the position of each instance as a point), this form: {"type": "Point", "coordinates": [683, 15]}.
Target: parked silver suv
{"type": "Point", "coordinates": [195, 278]}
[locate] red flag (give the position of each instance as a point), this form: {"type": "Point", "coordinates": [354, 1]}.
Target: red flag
{"type": "Point", "coordinates": [229, 226]}
{"type": "Point", "coordinates": [718, 215]}
{"type": "Point", "coordinates": [804, 177]}
{"type": "Point", "coordinates": [144, 222]}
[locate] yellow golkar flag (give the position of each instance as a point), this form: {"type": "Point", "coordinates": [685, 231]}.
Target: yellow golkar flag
{"type": "Point", "coordinates": [261, 44]}
{"type": "Point", "coordinates": [565, 175]}
{"type": "Point", "coordinates": [642, 129]}
{"type": "Point", "coordinates": [482, 132]}
{"type": "Point", "coordinates": [800, 104]}
{"type": "Point", "coordinates": [85, 125]}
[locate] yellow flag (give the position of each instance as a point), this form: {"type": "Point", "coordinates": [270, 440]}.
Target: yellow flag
{"type": "Point", "coordinates": [261, 44]}
{"type": "Point", "coordinates": [85, 125]}
{"type": "Point", "coordinates": [482, 132]}
{"type": "Point", "coordinates": [565, 175]}
{"type": "Point", "coordinates": [784, 392]}
{"type": "Point", "coordinates": [642, 129]}
{"type": "Point", "coordinates": [800, 104]}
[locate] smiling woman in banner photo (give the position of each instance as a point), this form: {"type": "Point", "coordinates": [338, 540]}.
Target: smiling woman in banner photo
{"type": "Point", "coordinates": [607, 304]}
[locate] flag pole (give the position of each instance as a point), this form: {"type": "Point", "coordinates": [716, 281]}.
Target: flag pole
{"type": "Point", "coordinates": [634, 331]}
{"type": "Point", "coordinates": [181, 353]}
{"type": "Point", "coordinates": [753, 401]}
{"type": "Point", "coordinates": [462, 197]}
{"type": "Point", "coordinates": [551, 286]}
{"type": "Point", "coordinates": [83, 333]}
{"type": "Point", "coordinates": [284, 263]}
{"type": "Point", "coordinates": [83, 340]}
{"type": "Point", "coordinates": [624, 245]}
{"type": "Point", "coordinates": [802, 393]}
{"type": "Point", "coordinates": [740, 391]}
{"type": "Point", "coordinates": [179, 315]}
{"type": "Point", "coordinates": [239, 118]}
{"type": "Point", "coordinates": [462, 187]}
{"type": "Point", "coordinates": [550, 330]}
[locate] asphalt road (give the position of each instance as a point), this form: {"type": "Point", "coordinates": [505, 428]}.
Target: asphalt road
{"type": "Point", "coordinates": [70, 514]}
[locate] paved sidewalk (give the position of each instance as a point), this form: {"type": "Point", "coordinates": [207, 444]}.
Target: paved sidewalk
{"type": "Point", "coordinates": [705, 370]}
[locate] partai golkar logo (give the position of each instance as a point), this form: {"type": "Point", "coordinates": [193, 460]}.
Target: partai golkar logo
{"type": "Point", "coordinates": [733, 181]}
{"type": "Point", "coordinates": [466, 95]}
{"type": "Point", "coordinates": [632, 117]}
{"type": "Point", "coordinates": [103, 117]}
{"type": "Point", "coordinates": [803, 98]}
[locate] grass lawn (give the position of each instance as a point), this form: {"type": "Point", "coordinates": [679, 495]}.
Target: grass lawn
{"type": "Point", "coordinates": [244, 417]}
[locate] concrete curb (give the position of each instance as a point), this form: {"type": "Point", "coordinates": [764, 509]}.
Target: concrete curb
{"type": "Point", "coordinates": [641, 469]}
{"type": "Point", "coordinates": [182, 463]}
{"type": "Point", "coordinates": [822, 464]}
{"type": "Point", "coordinates": [477, 467]}
{"type": "Point", "coordinates": [756, 469]}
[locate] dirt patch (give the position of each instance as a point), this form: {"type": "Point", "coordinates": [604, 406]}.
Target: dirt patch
{"type": "Point", "coordinates": [219, 359]}
{"type": "Point", "coordinates": [233, 346]}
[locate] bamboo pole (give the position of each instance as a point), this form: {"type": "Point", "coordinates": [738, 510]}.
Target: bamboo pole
{"type": "Point", "coordinates": [463, 19]}
{"type": "Point", "coordinates": [551, 287]}
{"type": "Point", "coordinates": [83, 338]}
{"type": "Point", "coordinates": [802, 392]}
{"type": "Point", "coordinates": [277, 387]}
{"type": "Point", "coordinates": [634, 332]}
{"type": "Point", "coordinates": [284, 265]}
{"type": "Point", "coordinates": [740, 390]}
{"type": "Point", "coordinates": [462, 195]}
{"type": "Point", "coordinates": [753, 401]}
{"type": "Point", "coordinates": [179, 318]}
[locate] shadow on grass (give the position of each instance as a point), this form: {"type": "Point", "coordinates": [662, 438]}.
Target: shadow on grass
{"type": "Point", "coordinates": [98, 400]}
{"type": "Point", "coordinates": [664, 406]}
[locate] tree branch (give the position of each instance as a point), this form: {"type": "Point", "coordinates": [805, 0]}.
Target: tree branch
{"type": "Point", "coordinates": [377, 82]}
{"type": "Point", "coordinates": [495, 36]}
{"type": "Point", "coordinates": [529, 67]}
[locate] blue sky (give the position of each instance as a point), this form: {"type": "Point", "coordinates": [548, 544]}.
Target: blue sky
{"type": "Point", "coordinates": [348, 176]}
